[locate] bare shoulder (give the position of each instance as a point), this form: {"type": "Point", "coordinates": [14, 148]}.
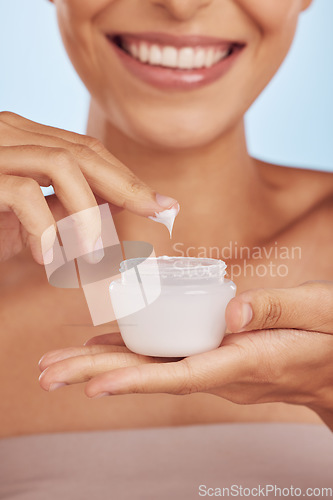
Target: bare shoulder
{"type": "Point", "coordinates": [280, 176]}
{"type": "Point", "coordinates": [299, 186]}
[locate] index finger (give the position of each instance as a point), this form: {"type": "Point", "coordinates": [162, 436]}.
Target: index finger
{"type": "Point", "coordinates": [108, 177]}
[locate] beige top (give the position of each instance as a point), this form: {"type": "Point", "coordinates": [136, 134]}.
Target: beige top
{"type": "Point", "coordinates": [165, 463]}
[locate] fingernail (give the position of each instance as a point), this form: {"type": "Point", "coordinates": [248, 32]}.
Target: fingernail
{"type": "Point", "coordinates": [247, 314]}
{"type": "Point", "coordinates": [101, 395]}
{"type": "Point", "coordinates": [47, 240]}
{"type": "Point", "coordinates": [48, 256]}
{"type": "Point", "coordinates": [98, 252]}
{"type": "Point", "coordinates": [56, 385]}
{"type": "Point", "coordinates": [41, 361]}
{"type": "Point", "coordinates": [165, 201]}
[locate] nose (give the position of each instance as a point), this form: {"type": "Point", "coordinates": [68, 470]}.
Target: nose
{"type": "Point", "coordinates": [182, 10]}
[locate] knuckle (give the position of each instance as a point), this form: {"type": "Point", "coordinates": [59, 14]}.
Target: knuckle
{"type": "Point", "coordinates": [187, 384]}
{"type": "Point", "coordinates": [27, 187]}
{"type": "Point", "coordinates": [134, 186]}
{"type": "Point", "coordinates": [7, 115]}
{"type": "Point", "coordinates": [63, 159]}
{"type": "Point", "coordinates": [269, 309]}
{"type": "Point", "coordinates": [91, 363]}
{"type": "Point", "coordinates": [273, 310]}
{"type": "Point", "coordinates": [138, 386]}
{"type": "Point", "coordinates": [82, 150]}
{"type": "Point", "coordinates": [123, 360]}
{"type": "Point", "coordinates": [92, 143]}
{"type": "Point", "coordinates": [131, 188]}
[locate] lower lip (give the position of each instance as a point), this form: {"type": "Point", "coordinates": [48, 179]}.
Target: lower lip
{"type": "Point", "coordinates": [176, 79]}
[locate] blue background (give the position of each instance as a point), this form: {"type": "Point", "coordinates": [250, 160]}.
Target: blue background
{"type": "Point", "coordinates": [290, 124]}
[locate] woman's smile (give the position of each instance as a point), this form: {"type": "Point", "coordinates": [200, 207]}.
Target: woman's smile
{"type": "Point", "coordinates": [160, 69]}
{"type": "Point", "coordinates": [175, 62]}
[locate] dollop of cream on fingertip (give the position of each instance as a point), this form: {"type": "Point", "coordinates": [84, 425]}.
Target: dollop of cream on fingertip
{"type": "Point", "coordinates": [166, 217]}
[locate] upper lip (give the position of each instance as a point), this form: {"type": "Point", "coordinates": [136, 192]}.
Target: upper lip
{"type": "Point", "coordinates": [176, 40]}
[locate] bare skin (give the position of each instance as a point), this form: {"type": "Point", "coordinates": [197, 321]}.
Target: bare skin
{"type": "Point", "coordinates": [40, 318]}
{"type": "Point", "coordinates": [159, 137]}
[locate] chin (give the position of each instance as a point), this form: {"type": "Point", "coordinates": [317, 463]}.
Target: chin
{"type": "Point", "coordinates": [174, 139]}
{"type": "Point", "coordinates": [175, 131]}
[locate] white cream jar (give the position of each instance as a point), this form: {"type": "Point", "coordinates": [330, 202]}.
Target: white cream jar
{"type": "Point", "coordinates": [171, 306]}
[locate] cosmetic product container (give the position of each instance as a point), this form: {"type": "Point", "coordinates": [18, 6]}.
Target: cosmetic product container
{"type": "Point", "coordinates": [171, 306]}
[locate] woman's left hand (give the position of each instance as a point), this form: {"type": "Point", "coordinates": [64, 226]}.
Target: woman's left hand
{"type": "Point", "coordinates": [280, 349]}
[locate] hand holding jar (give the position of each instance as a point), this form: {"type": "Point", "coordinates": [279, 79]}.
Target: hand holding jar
{"type": "Point", "coordinates": [280, 349]}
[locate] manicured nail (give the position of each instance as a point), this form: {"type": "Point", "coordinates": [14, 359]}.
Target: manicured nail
{"type": "Point", "coordinates": [165, 201]}
{"type": "Point", "coordinates": [41, 360]}
{"type": "Point", "coordinates": [98, 253]}
{"type": "Point", "coordinates": [247, 314]}
{"type": "Point", "coordinates": [47, 240]}
{"type": "Point", "coordinates": [98, 249]}
{"type": "Point", "coordinates": [101, 395]}
{"type": "Point", "coordinates": [48, 256]}
{"type": "Point", "coordinates": [56, 385]}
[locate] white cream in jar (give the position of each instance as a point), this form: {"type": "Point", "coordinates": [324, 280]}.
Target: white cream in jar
{"type": "Point", "coordinates": [171, 306]}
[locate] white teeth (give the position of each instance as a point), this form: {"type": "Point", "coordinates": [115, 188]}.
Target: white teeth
{"type": "Point", "coordinates": [209, 59]}
{"type": "Point", "coordinates": [171, 57]}
{"type": "Point", "coordinates": [221, 54]}
{"type": "Point", "coordinates": [143, 52]}
{"type": "Point", "coordinates": [186, 58]}
{"type": "Point", "coordinates": [155, 55]}
{"type": "Point", "coordinates": [217, 56]}
{"type": "Point", "coordinates": [199, 58]}
{"type": "Point", "coordinates": [134, 50]}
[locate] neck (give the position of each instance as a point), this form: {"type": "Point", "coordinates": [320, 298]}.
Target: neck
{"type": "Point", "coordinates": [217, 183]}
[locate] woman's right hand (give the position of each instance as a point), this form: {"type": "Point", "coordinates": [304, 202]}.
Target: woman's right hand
{"type": "Point", "coordinates": [79, 168]}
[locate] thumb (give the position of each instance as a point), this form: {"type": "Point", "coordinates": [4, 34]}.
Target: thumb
{"type": "Point", "coordinates": [306, 307]}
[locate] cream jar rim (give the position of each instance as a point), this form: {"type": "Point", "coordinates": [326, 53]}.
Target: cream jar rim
{"type": "Point", "coordinates": [171, 266]}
